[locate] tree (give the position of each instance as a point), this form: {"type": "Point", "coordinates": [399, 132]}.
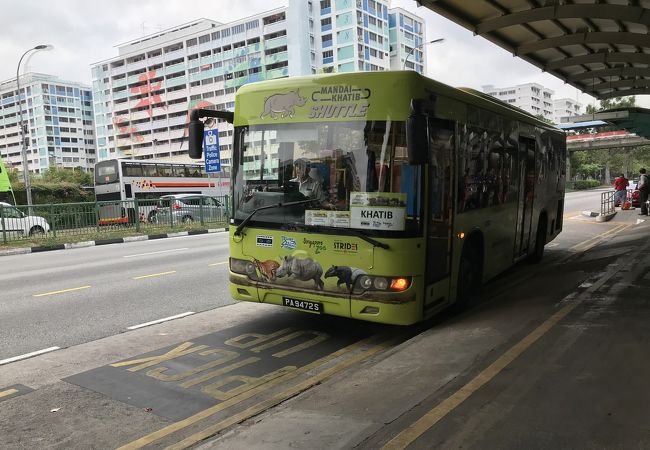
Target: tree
{"type": "Point", "coordinates": [612, 103]}
{"type": "Point", "coordinates": [544, 119]}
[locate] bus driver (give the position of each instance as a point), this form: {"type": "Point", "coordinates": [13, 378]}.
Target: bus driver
{"type": "Point", "coordinates": [309, 181]}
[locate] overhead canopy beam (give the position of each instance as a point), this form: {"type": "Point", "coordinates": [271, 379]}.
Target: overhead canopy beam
{"type": "Point", "coordinates": [587, 44]}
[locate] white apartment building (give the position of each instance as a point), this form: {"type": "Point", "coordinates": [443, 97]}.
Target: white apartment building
{"type": "Point", "coordinates": [407, 45]}
{"type": "Point", "coordinates": [565, 107]}
{"type": "Point", "coordinates": [142, 96]}
{"type": "Point", "coordinates": [58, 120]}
{"type": "Point", "coordinates": [531, 97]}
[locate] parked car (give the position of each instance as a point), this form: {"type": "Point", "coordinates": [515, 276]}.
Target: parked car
{"type": "Point", "coordinates": [188, 208]}
{"type": "Point", "coordinates": [14, 223]}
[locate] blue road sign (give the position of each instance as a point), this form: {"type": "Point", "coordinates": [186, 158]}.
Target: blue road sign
{"type": "Point", "coordinates": [211, 151]}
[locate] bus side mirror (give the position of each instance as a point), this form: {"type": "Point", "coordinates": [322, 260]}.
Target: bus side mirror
{"type": "Point", "coordinates": [417, 133]}
{"type": "Point", "coordinates": [196, 139]}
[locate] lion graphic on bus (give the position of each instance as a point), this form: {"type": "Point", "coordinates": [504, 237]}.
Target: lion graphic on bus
{"type": "Point", "coordinates": [282, 104]}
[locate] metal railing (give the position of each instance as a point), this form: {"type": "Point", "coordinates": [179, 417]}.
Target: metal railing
{"type": "Point", "coordinates": [74, 222]}
{"type": "Point", "coordinates": [607, 203]}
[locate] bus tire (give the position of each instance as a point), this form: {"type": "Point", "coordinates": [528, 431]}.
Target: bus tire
{"type": "Point", "coordinates": [151, 218]}
{"type": "Point", "coordinates": [469, 277]}
{"type": "Point", "coordinates": [540, 241]}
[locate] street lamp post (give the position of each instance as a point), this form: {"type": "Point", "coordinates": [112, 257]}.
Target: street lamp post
{"type": "Point", "coordinates": [28, 187]}
{"type": "Point", "coordinates": [435, 41]}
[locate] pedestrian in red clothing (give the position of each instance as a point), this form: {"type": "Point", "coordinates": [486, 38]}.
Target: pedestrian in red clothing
{"type": "Point", "coordinates": [620, 185]}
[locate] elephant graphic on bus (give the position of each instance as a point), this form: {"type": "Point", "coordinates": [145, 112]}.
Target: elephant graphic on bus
{"type": "Point", "coordinates": [282, 104]}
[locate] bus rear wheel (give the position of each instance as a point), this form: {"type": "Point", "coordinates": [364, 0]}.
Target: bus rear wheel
{"type": "Point", "coordinates": [469, 277]}
{"type": "Point", "coordinates": [540, 241]}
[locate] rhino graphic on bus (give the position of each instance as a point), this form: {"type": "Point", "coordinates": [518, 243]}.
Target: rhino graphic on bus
{"type": "Point", "coordinates": [282, 104]}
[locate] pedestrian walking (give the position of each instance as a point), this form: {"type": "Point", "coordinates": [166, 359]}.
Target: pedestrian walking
{"type": "Point", "coordinates": [620, 185]}
{"type": "Point", "coordinates": [644, 189]}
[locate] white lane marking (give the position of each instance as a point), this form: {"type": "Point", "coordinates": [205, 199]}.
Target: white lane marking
{"type": "Point", "coordinates": [28, 355]}
{"type": "Point", "coordinates": [155, 253]}
{"type": "Point", "coordinates": [177, 316]}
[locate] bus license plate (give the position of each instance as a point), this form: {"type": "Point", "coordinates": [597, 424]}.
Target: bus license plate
{"type": "Point", "coordinates": [303, 305]}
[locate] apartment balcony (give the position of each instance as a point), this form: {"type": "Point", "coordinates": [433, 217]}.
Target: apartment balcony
{"type": "Point", "coordinates": [177, 107]}
{"type": "Point", "coordinates": [138, 115]}
{"type": "Point", "coordinates": [175, 54]}
{"type": "Point", "coordinates": [177, 120]}
{"type": "Point", "coordinates": [277, 73]}
{"type": "Point", "coordinates": [120, 95]}
{"type": "Point", "coordinates": [277, 42]}
{"type": "Point", "coordinates": [161, 136]}
{"type": "Point", "coordinates": [275, 27]}
{"type": "Point", "coordinates": [277, 57]}
{"type": "Point", "coordinates": [118, 83]}
{"type": "Point", "coordinates": [180, 67]}
{"type": "Point", "coordinates": [136, 65]}
{"type": "Point", "coordinates": [175, 82]}
{"type": "Point", "coordinates": [118, 70]}
{"type": "Point", "coordinates": [154, 61]}
{"type": "Point", "coordinates": [176, 94]}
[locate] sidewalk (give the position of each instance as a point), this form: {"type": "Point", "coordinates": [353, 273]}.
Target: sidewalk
{"type": "Point", "coordinates": [430, 390]}
{"type": "Point", "coordinates": [149, 237]}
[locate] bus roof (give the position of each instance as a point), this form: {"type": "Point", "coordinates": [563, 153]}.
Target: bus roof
{"type": "Point", "coordinates": [356, 96]}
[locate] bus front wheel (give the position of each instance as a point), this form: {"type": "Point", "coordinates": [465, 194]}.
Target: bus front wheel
{"type": "Point", "coordinates": [469, 277]}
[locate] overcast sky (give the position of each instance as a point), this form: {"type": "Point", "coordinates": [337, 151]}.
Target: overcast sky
{"type": "Point", "coordinates": [85, 31]}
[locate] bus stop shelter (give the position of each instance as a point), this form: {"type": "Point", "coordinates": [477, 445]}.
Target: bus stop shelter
{"type": "Point", "coordinates": [600, 47]}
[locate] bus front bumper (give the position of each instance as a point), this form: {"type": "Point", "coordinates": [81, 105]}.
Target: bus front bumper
{"type": "Point", "coordinates": [397, 308]}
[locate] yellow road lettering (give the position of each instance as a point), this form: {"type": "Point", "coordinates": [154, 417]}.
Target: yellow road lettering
{"type": "Point", "coordinates": [215, 373]}
{"type": "Point", "coordinates": [226, 356]}
{"type": "Point", "coordinates": [320, 337]}
{"type": "Point", "coordinates": [244, 383]}
{"type": "Point", "coordinates": [143, 363]}
{"type": "Point", "coordinates": [251, 339]}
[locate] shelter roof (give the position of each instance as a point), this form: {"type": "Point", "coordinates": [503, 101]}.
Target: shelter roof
{"type": "Point", "coordinates": [601, 47]}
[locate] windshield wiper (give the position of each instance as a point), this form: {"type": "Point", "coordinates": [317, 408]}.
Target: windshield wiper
{"type": "Point", "coordinates": [353, 231]}
{"type": "Point", "coordinates": [242, 225]}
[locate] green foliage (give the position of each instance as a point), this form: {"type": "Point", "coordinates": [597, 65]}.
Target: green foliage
{"type": "Point", "coordinates": [75, 176]}
{"type": "Point", "coordinates": [544, 119]}
{"type": "Point", "coordinates": [45, 192]}
{"type": "Point", "coordinates": [586, 184]}
{"type": "Point", "coordinates": [612, 103]}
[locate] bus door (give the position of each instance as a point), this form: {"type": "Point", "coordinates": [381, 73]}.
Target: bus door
{"type": "Point", "coordinates": [526, 194]}
{"type": "Point", "coordinates": [439, 200]}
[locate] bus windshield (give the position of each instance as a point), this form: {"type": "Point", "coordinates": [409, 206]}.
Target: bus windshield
{"type": "Point", "coordinates": [356, 173]}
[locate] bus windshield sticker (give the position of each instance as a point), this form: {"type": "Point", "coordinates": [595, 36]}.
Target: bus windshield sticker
{"type": "Point", "coordinates": [316, 217]}
{"type": "Point", "coordinates": [378, 210]}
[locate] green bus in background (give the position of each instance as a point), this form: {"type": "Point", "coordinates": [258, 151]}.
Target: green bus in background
{"type": "Point", "coordinates": [382, 196]}
{"type": "Point", "coordinates": [6, 193]}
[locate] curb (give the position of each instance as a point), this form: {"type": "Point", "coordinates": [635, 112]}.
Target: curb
{"type": "Point", "coordinates": [47, 248]}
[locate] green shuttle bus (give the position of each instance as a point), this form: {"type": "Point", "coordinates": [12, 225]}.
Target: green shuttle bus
{"type": "Point", "coordinates": [382, 196]}
{"type": "Point", "coordinates": [6, 193]}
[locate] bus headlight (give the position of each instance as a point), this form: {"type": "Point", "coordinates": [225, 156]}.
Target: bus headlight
{"type": "Point", "coordinates": [365, 282]}
{"type": "Point", "coordinates": [242, 266]}
{"type": "Point", "coordinates": [379, 283]}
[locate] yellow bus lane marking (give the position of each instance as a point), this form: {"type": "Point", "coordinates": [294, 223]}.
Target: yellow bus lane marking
{"type": "Point", "coordinates": [180, 425]}
{"type": "Point", "coordinates": [154, 275]}
{"type": "Point", "coordinates": [8, 392]}
{"type": "Point", "coordinates": [62, 291]}
{"type": "Point", "coordinates": [407, 436]}
{"type": "Point", "coordinates": [218, 263]}
{"type": "Point", "coordinates": [595, 240]}
{"type": "Point", "coordinates": [278, 398]}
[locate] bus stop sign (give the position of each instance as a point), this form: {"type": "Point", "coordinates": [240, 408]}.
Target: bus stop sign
{"type": "Point", "coordinates": [211, 149]}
